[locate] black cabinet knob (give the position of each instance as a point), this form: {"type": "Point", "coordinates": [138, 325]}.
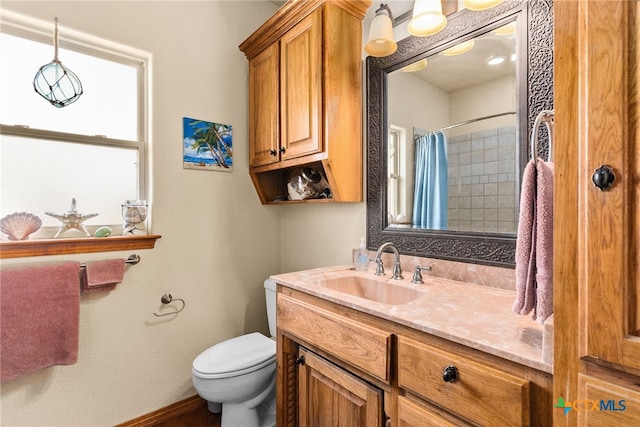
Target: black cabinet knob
{"type": "Point", "coordinates": [450, 374]}
{"type": "Point", "coordinates": [300, 360]}
{"type": "Point", "coordinates": [603, 177]}
{"type": "Point", "coordinates": [282, 150]}
{"type": "Point", "coordinates": [273, 152]}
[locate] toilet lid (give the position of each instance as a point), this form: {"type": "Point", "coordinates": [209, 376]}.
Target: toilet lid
{"type": "Point", "coordinates": [235, 356]}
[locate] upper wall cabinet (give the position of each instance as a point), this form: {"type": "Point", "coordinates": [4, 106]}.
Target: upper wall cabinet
{"type": "Point", "coordinates": [305, 98]}
{"type": "Point", "coordinates": [298, 102]}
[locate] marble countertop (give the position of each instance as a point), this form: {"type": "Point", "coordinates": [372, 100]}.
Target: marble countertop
{"type": "Point", "coordinates": [476, 316]}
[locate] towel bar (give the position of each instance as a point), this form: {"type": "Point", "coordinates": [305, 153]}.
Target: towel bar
{"type": "Point", "coordinates": [547, 117]}
{"type": "Point", "coordinates": [132, 260]}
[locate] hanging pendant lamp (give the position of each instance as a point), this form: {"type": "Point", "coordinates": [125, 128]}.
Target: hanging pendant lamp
{"type": "Point", "coordinates": [55, 82]}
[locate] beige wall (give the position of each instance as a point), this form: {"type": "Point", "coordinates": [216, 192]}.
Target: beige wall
{"type": "Point", "coordinates": [218, 243]}
{"type": "Point", "coordinates": [320, 235]}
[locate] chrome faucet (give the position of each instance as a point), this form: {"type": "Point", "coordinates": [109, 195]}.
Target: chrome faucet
{"type": "Point", "coordinates": [397, 270]}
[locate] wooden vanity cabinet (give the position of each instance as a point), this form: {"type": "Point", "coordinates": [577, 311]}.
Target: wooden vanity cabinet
{"type": "Point", "coordinates": [332, 368]}
{"type": "Point", "coordinates": [337, 364]}
{"type": "Point", "coordinates": [305, 97]}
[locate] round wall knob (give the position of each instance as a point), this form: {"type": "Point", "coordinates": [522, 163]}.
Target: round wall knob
{"type": "Point", "coordinates": [450, 374]}
{"type": "Point", "coordinates": [603, 177]}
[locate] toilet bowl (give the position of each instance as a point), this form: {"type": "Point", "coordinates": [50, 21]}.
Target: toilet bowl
{"type": "Point", "coordinates": [238, 375]}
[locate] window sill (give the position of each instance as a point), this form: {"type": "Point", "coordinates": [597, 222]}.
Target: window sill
{"type": "Point", "coordinates": [41, 247]}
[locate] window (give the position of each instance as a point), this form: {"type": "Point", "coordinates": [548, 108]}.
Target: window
{"type": "Point", "coordinates": [93, 150]}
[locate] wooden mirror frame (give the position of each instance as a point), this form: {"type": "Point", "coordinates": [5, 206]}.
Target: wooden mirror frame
{"type": "Point", "coordinates": [535, 93]}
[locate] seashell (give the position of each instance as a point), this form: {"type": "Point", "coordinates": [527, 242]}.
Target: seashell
{"type": "Point", "coordinates": [135, 214]}
{"type": "Point", "coordinates": [19, 225]}
{"type": "Point", "coordinates": [103, 231]}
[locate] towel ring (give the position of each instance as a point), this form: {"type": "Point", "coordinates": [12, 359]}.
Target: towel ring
{"type": "Point", "coordinates": [546, 116]}
{"type": "Point", "coordinates": [166, 299]}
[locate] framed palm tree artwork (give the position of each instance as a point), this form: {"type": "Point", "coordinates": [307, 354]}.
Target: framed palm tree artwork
{"type": "Point", "coordinates": [207, 145]}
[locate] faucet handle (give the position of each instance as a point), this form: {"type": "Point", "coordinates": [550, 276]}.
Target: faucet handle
{"type": "Point", "coordinates": [379, 267]}
{"type": "Point", "coordinates": [417, 274]}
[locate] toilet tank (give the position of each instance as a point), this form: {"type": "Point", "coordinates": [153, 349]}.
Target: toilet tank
{"type": "Point", "coordinates": [270, 294]}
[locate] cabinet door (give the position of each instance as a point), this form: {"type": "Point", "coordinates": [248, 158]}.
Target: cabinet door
{"type": "Point", "coordinates": [300, 91]}
{"type": "Point", "coordinates": [264, 107]}
{"type": "Point", "coordinates": [330, 396]}
{"type": "Point", "coordinates": [603, 404]}
{"type": "Point", "coordinates": [609, 220]}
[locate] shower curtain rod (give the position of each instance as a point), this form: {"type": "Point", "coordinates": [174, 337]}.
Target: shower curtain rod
{"type": "Point", "coordinates": [466, 122]}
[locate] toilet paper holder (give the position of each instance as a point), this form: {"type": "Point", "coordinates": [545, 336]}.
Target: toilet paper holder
{"type": "Point", "coordinates": [167, 299]}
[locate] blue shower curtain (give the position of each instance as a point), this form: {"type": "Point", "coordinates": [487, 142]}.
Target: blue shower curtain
{"type": "Point", "coordinates": [430, 200]}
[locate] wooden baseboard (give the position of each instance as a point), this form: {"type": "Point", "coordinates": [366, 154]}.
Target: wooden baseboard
{"type": "Point", "coordinates": [191, 411]}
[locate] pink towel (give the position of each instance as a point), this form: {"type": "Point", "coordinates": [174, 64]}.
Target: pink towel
{"type": "Point", "coordinates": [534, 245]}
{"type": "Point", "coordinates": [544, 243]}
{"type": "Point", "coordinates": [526, 243]}
{"type": "Point", "coordinates": [102, 275]}
{"type": "Point", "coordinates": [39, 312]}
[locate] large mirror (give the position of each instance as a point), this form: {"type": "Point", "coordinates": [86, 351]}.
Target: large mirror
{"type": "Point", "coordinates": [447, 141]}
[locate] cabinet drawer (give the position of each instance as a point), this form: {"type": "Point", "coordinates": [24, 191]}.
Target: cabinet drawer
{"type": "Point", "coordinates": [362, 346]}
{"type": "Point", "coordinates": [480, 394]}
{"type": "Point", "coordinates": [411, 414]}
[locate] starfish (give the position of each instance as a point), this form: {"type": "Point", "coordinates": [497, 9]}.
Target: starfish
{"type": "Point", "coordinates": [72, 219]}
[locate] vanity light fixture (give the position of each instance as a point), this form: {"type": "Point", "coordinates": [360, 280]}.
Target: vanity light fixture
{"type": "Point", "coordinates": [381, 40]}
{"type": "Point", "coordinates": [427, 18]}
{"type": "Point", "coordinates": [460, 48]}
{"type": "Point", "coordinates": [481, 4]}
{"type": "Point", "coordinates": [416, 66]}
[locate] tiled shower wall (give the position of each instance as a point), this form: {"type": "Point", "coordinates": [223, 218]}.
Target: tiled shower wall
{"type": "Point", "coordinates": [483, 180]}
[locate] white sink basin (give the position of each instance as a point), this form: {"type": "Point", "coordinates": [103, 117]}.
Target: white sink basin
{"type": "Point", "coordinates": [372, 289]}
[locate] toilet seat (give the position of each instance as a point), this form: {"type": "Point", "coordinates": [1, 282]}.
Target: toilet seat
{"type": "Point", "coordinates": [236, 356]}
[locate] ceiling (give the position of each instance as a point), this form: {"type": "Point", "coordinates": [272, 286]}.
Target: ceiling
{"type": "Point", "coordinates": [451, 73]}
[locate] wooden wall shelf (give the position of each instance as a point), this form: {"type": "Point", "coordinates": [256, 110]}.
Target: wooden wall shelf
{"type": "Point", "coordinates": [41, 247]}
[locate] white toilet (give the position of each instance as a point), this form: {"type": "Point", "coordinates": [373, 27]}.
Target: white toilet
{"type": "Point", "coordinates": [239, 374]}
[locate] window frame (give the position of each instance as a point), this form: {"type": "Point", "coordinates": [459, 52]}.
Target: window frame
{"type": "Point", "coordinates": [40, 31]}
